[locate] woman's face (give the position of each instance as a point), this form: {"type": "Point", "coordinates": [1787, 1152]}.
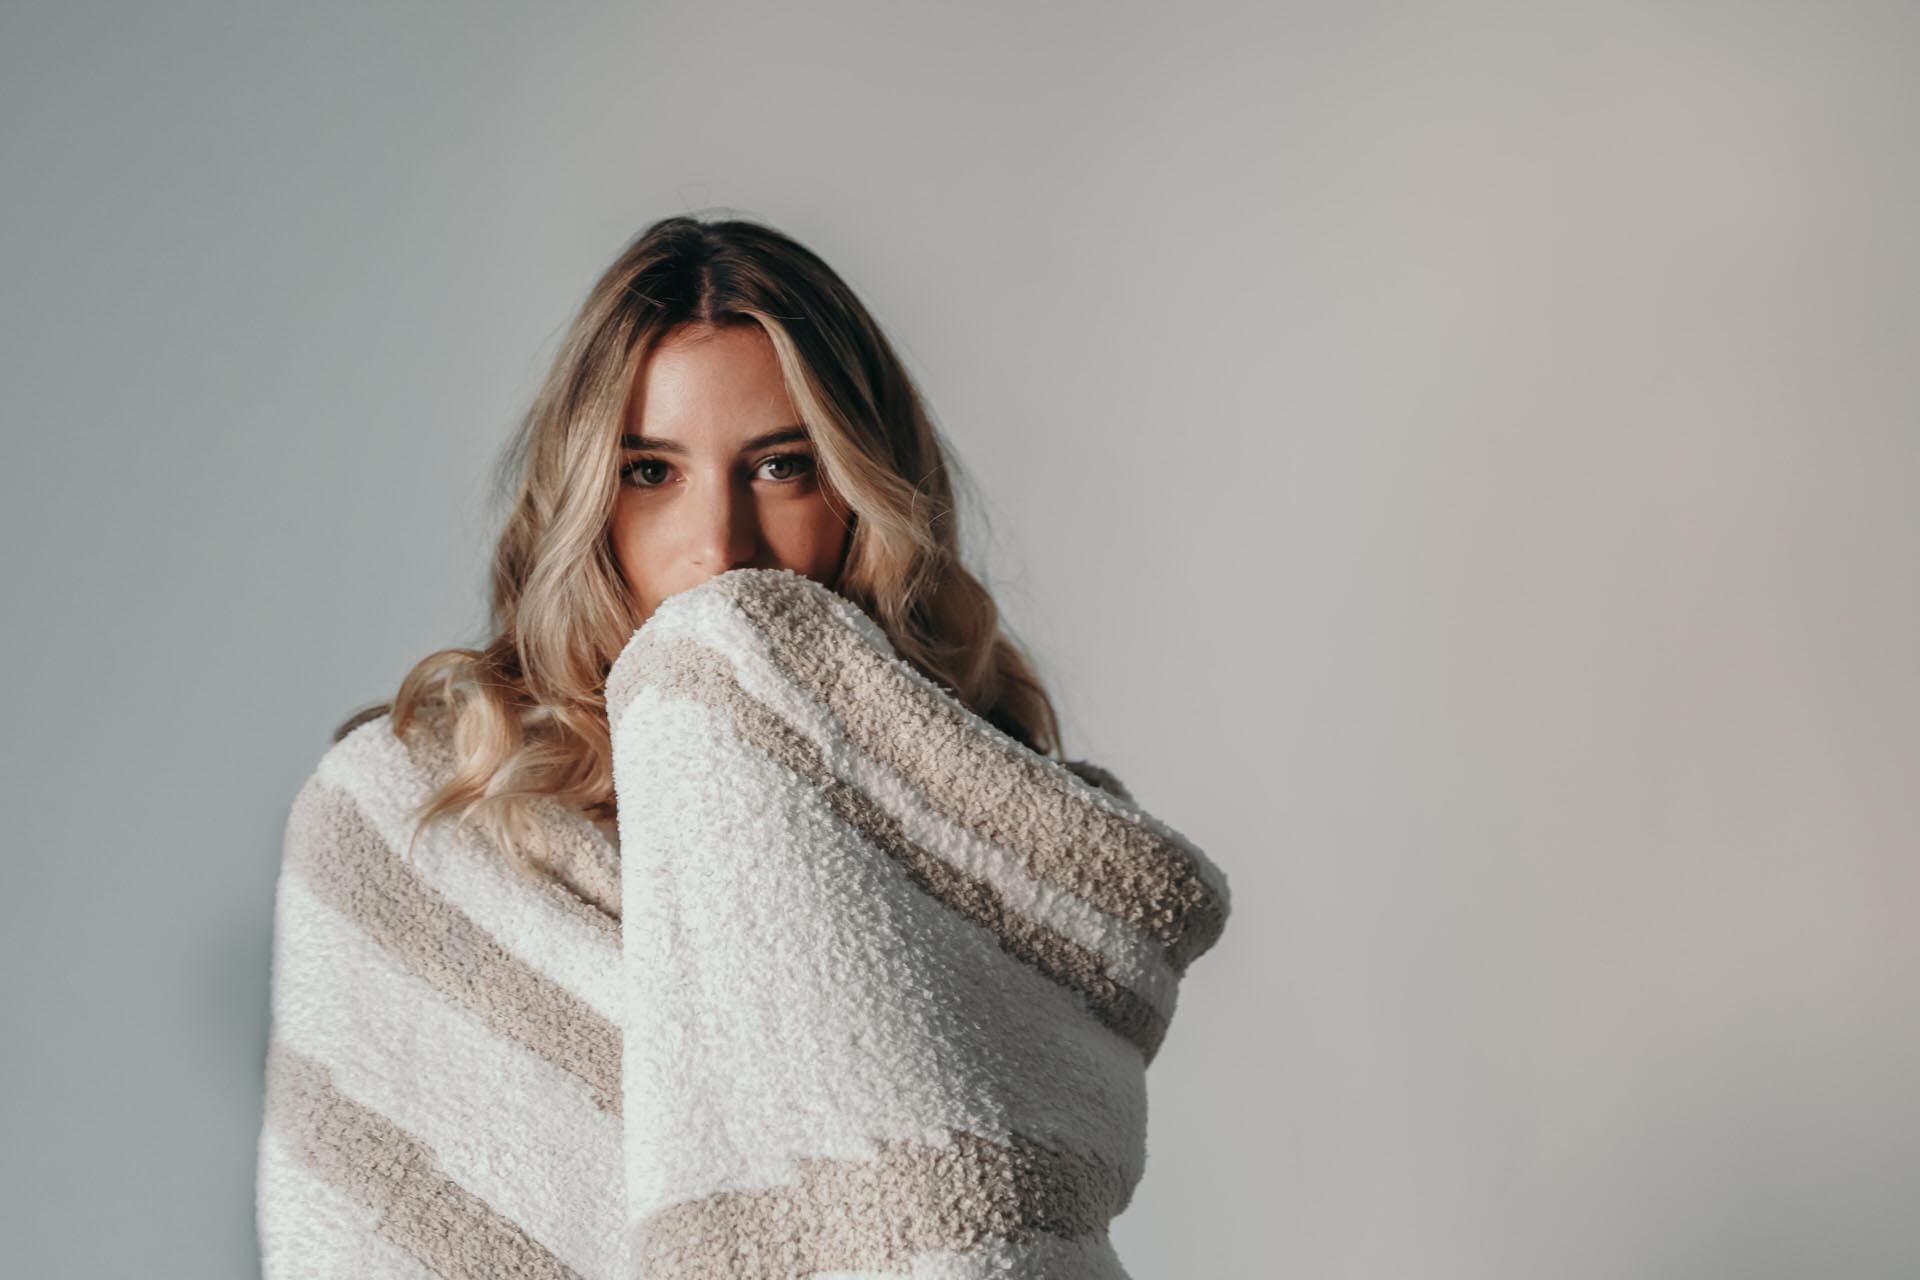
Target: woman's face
{"type": "Point", "coordinates": [716, 470]}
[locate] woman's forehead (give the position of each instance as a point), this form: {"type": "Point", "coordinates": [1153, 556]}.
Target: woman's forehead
{"type": "Point", "coordinates": [714, 390]}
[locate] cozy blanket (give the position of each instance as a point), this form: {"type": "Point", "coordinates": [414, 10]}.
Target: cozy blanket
{"type": "Point", "coordinates": [864, 988]}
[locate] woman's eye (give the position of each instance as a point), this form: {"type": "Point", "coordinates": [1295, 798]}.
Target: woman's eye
{"type": "Point", "coordinates": [803, 461]}
{"type": "Point", "coordinates": [629, 471]}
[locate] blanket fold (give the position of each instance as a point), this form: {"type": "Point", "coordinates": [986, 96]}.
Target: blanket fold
{"type": "Point", "coordinates": [893, 978]}
{"type": "Point", "coordinates": [863, 988]}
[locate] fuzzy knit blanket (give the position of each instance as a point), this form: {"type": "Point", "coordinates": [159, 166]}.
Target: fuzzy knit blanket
{"type": "Point", "coordinates": [864, 987]}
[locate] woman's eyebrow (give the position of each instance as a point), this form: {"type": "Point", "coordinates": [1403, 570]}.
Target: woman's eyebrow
{"type": "Point", "coordinates": [780, 435]}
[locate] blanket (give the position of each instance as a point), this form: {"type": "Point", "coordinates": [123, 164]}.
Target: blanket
{"type": "Point", "coordinates": [864, 987]}
{"type": "Point", "coordinates": [893, 978]}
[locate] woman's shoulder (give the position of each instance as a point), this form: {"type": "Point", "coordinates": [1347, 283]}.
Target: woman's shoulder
{"type": "Point", "coordinates": [358, 718]}
{"type": "Point", "coordinates": [364, 798]}
{"type": "Point", "coordinates": [352, 808]}
{"type": "Point", "coordinates": [367, 761]}
{"type": "Point", "coordinates": [1099, 777]}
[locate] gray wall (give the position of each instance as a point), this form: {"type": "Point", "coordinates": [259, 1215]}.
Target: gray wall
{"type": "Point", "coordinates": [1457, 462]}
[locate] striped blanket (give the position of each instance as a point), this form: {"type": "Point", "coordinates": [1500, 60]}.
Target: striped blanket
{"type": "Point", "coordinates": [893, 982]}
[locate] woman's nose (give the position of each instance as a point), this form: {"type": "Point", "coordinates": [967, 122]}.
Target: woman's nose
{"type": "Point", "coordinates": [726, 533]}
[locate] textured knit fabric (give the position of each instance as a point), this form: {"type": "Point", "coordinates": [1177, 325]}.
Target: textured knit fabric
{"type": "Point", "coordinates": [864, 987]}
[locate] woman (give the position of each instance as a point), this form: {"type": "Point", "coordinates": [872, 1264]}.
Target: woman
{"type": "Point", "coordinates": [444, 1088]}
{"type": "Point", "coordinates": [722, 400]}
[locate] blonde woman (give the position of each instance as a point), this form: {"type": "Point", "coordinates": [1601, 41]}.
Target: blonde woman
{"type": "Point", "coordinates": [444, 1081]}
{"type": "Point", "coordinates": [723, 399]}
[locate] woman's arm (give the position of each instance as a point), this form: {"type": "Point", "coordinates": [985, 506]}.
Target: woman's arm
{"type": "Point", "coordinates": [892, 978]}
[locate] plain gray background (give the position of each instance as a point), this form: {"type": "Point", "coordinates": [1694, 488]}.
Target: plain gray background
{"type": "Point", "coordinates": [1461, 464]}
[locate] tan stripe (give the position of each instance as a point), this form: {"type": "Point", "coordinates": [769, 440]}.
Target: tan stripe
{"type": "Point", "coordinates": [931, 739]}
{"type": "Point", "coordinates": [680, 665]}
{"type": "Point", "coordinates": [361, 1152]}
{"type": "Point", "coordinates": [352, 869]}
{"type": "Point", "coordinates": [879, 1214]}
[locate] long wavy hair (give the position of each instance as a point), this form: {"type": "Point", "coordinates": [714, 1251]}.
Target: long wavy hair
{"type": "Point", "coordinates": [525, 714]}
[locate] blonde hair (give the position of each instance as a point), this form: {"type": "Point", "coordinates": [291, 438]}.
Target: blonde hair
{"type": "Point", "coordinates": [525, 714]}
